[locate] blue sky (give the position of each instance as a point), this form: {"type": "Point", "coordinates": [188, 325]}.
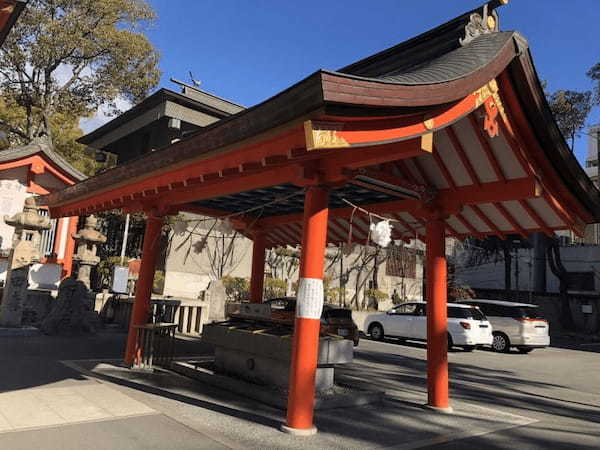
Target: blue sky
{"type": "Point", "coordinates": [250, 50]}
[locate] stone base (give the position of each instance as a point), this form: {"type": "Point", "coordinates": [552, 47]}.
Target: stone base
{"type": "Point", "coordinates": [19, 332]}
{"type": "Point", "coordinates": [299, 432]}
{"type": "Point", "coordinates": [337, 397]}
{"type": "Point", "coordinates": [447, 410]}
{"type": "Point", "coordinates": [258, 369]}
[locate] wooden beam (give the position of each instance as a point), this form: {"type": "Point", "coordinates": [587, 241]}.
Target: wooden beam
{"type": "Point", "coordinates": [323, 134]}
{"type": "Point", "coordinates": [353, 158]}
{"type": "Point", "coordinates": [450, 200]}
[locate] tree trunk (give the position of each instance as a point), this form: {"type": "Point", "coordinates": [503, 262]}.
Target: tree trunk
{"type": "Point", "coordinates": [375, 270]}
{"type": "Point", "coordinates": [557, 268]}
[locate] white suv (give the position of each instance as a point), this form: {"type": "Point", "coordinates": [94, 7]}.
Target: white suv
{"type": "Point", "coordinates": [517, 325]}
{"type": "Point", "coordinates": [467, 326]}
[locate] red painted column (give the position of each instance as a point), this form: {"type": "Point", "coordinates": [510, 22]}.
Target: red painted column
{"type": "Point", "coordinates": [305, 346]}
{"type": "Point", "coordinates": [257, 279]}
{"type": "Point", "coordinates": [143, 287]}
{"type": "Point", "coordinates": [70, 247]}
{"type": "Point", "coordinates": [437, 316]}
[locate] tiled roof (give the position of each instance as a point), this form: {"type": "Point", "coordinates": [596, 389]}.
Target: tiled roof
{"type": "Point", "coordinates": [41, 146]}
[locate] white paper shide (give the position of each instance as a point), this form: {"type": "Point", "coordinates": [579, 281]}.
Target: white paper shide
{"type": "Point", "coordinates": [381, 233]}
{"type": "Point", "coordinates": [309, 303]}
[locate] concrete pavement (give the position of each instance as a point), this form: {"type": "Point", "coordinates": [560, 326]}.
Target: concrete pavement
{"type": "Point", "coordinates": [542, 400]}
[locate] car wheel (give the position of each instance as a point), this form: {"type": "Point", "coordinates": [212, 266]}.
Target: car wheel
{"type": "Point", "coordinates": [500, 343]}
{"type": "Point", "coordinates": [376, 332]}
{"type": "Point", "coordinates": [468, 348]}
{"type": "Point", "coordinates": [525, 350]}
{"type": "Point", "coordinates": [450, 342]}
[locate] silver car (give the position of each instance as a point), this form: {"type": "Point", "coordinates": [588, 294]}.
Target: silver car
{"type": "Point", "coordinates": [517, 325]}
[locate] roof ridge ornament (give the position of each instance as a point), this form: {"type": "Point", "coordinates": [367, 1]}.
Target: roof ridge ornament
{"type": "Point", "coordinates": [482, 24]}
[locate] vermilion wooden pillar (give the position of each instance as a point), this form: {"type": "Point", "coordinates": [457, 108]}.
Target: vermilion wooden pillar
{"type": "Point", "coordinates": [437, 316]}
{"type": "Point", "coordinates": [70, 247]}
{"type": "Point", "coordinates": [143, 286]}
{"type": "Point", "coordinates": [309, 306]}
{"type": "Point", "coordinates": [258, 268]}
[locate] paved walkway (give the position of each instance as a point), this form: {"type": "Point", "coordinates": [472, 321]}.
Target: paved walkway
{"type": "Point", "coordinates": [68, 393]}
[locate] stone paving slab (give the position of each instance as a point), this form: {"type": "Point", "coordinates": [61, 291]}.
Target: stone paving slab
{"type": "Point", "coordinates": [399, 422]}
{"type": "Point", "coordinates": [47, 407]}
{"type": "Point", "coordinates": [149, 432]}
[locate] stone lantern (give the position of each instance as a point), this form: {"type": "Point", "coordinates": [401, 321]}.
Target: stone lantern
{"type": "Point", "coordinates": [25, 251]}
{"type": "Point", "coordinates": [87, 239]}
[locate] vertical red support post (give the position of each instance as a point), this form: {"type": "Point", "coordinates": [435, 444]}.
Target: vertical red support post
{"type": "Point", "coordinates": [70, 247]}
{"type": "Point", "coordinates": [143, 286]}
{"type": "Point", "coordinates": [309, 305]}
{"type": "Point", "coordinates": [257, 278]}
{"type": "Point", "coordinates": [437, 316]}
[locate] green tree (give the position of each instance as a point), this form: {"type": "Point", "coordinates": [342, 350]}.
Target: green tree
{"type": "Point", "coordinates": [66, 58]}
{"type": "Point", "coordinates": [594, 74]}
{"type": "Point", "coordinates": [570, 110]}
{"type": "Point", "coordinates": [236, 288]}
{"type": "Point", "coordinates": [274, 288]}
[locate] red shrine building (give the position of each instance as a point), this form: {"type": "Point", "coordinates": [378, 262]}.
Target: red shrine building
{"type": "Point", "coordinates": [447, 134]}
{"type": "Point", "coordinates": [34, 170]}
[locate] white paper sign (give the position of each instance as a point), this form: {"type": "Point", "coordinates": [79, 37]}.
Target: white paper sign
{"type": "Point", "coordinates": [12, 198]}
{"type": "Point", "coordinates": [310, 298]}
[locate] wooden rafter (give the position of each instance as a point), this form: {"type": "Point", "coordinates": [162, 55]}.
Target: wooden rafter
{"type": "Point", "coordinates": [487, 148]}
{"type": "Point", "coordinates": [445, 172]}
{"type": "Point", "coordinates": [510, 219]}
{"type": "Point", "coordinates": [485, 219]}
{"type": "Point", "coordinates": [460, 151]}
{"type": "Point", "coordinates": [536, 217]}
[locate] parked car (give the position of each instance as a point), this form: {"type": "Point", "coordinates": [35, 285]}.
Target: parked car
{"type": "Point", "coordinates": [467, 325]}
{"type": "Point", "coordinates": [334, 320]}
{"type": "Point", "coordinates": [517, 325]}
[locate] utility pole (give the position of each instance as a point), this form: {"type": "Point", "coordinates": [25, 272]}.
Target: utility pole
{"type": "Point", "coordinates": [125, 234]}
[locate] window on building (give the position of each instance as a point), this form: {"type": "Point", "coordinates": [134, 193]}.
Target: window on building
{"type": "Point", "coordinates": [48, 236]}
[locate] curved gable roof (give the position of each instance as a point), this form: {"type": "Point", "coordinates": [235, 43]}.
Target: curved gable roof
{"type": "Point", "coordinates": [433, 70]}
{"type": "Point", "coordinates": [41, 146]}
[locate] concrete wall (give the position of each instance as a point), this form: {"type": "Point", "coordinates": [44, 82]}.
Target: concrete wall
{"type": "Point", "coordinates": [187, 273]}
{"type": "Point", "coordinates": [490, 275]}
{"type": "Point", "coordinates": [585, 309]}
{"type": "Point", "coordinates": [13, 191]}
